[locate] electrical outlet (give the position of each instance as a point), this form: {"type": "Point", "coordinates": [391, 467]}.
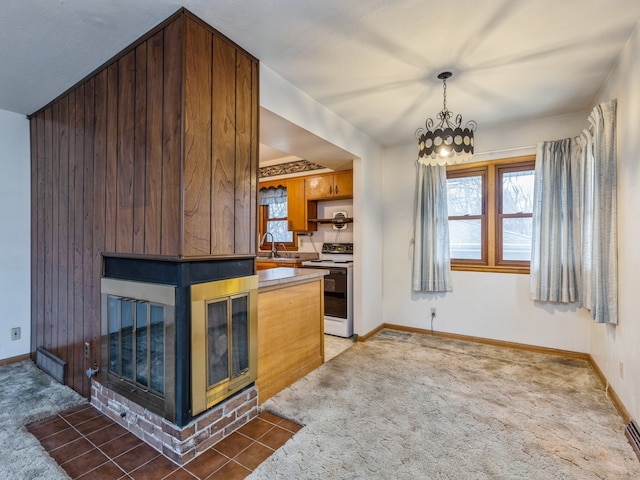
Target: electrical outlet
{"type": "Point", "coordinates": [87, 350]}
{"type": "Point", "coordinates": [433, 311]}
{"type": "Point", "coordinates": [15, 333]}
{"type": "Point", "coordinates": [621, 366]}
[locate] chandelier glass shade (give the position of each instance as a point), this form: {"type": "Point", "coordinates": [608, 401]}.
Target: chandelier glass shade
{"type": "Point", "coordinates": [448, 142]}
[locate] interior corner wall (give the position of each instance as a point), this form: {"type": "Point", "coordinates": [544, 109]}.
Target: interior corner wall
{"type": "Point", "coordinates": [616, 349]}
{"type": "Point", "coordinates": [284, 99]}
{"type": "Point", "coordinates": [487, 305]}
{"type": "Point", "coordinates": [15, 240]}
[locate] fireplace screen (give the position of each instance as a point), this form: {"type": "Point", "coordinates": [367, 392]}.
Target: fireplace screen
{"type": "Point", "coordinates": [223, 339]}
{"type": "Point", "coordinates": [138, 321]}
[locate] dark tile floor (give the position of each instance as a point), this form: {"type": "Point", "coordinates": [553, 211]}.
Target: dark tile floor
{"type": "Point", "coordinates": [89, 445]}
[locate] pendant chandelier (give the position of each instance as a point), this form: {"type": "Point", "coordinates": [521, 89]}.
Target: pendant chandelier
{"type": "Point", "coordinates": [448, 142]}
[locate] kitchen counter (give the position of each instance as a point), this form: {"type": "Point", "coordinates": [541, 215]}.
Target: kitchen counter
{"type": "Point", "coordinates": [290, 326]}
{"type": "Point", "coordinates": [283, 275]}
{"type": "Point", "coordinates": [290, 259]}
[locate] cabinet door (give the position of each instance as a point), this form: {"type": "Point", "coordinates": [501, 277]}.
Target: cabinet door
{"type": "Point", "coordinates": [343, 185]}
{"type": "Point", "coordinates": [298, 209]}
{"type": "Point", "coordinates": [319, 187]}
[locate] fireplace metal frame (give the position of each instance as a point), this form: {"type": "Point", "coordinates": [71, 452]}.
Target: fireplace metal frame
{"type": "Point", "coordinates": [164, 295]}
{"type": "Point", "coordinates": [204, 396]}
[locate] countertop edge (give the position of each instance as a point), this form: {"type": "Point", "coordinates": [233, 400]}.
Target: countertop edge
{"type": "Point", "coordinates": [284, 275]}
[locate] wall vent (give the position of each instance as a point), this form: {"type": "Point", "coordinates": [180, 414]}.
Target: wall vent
{"type": "Point", "coordinates": [633, 434]}
{"type": "Point", "coordinates": [51, 365]}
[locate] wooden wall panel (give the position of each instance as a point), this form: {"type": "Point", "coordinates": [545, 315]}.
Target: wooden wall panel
{"type": "Point", "coordinates": [55, 258]}
{"type": "Point", "coordinates": [99, 211]}
{"type": "Point", "coordinates": [153, 158]}
{"type": "Point", "coordinates": [126, 107]}
{"type": "Point", "coordinates": [111, 184]}
{"type": "Point", "coordinates": [75, 367]}
{"type": "Point", "coordinates": [224, 148]}
{"type": "Point", "coordinates": [89, 284]}
{"type": "Point", "coordinates": [244, 168]}
{"type": "Point", "coordinates": [171, 226]}
{"type": "Point", "coordinates": [134, 161]}
{"type": "Point", "coordinates": [197, 140]}
{"type": "Point", "coordinates": [140, 146]}
{"type": "Point", "coordinates": [48, 228]}
{"type": "Point", "coordinates": [63, 228]}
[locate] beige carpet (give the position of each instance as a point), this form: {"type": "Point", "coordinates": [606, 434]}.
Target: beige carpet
{"type": "Point", "coordinates": [26, 395]}
{"type": "Point", "coordinates": [407, 406]}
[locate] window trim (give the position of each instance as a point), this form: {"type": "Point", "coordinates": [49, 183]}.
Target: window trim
{"type": "Point", "coordinates": [491, 201]}
{"type": "Point", "coordinates": [263, 214]}
{"type": "Point", "coordinates": [500, 216]}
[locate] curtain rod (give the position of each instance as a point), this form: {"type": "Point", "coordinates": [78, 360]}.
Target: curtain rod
{"type": "Point", "coordinates": [501, 150]}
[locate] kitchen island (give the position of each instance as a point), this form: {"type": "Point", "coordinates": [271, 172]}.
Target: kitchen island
{"type": "Point", "coordinates": [290, 326]}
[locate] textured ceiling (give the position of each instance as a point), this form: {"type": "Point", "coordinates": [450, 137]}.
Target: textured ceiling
{"type": "Point", "coordinates": [373, 62]}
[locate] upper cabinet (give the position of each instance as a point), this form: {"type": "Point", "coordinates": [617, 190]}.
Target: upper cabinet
{"type": "Point", "coordinates": [330, 186]}
{"type": "Point", "coordinates": [300, 210]}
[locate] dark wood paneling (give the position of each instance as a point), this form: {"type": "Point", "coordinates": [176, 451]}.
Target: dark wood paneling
{"type": "Point", "coordinates": [134, 161]}
{"type": "Point", "coordinates": [99, 209]}
{"type": "Point", "coordinates": [153, 160]}
{"type": "Point", "coordinates": [171, 227]}
{"type": "Point", "coordinates": [75, 367]}
{"type": "Point", "coordinates": [48, 229]}
{"type": "Point", "coordinates": [89, 284]}
{"type": "Point", "coordinates": [111, 184]}
{"type": "Point", "coordinates": [126, 107]}
{"type": "Point", "coordinates": [140, 145]}
{"type": "Point", "coordinates": [243, 163]}
{"type": "Point", "coordinates": [197, 140]}
{"type": "Point", "coordinates": [224, 148]}
{"type": "Point", "coordinates": [63, 229]}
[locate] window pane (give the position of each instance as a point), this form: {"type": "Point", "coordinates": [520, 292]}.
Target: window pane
{"type": "Point", "coordinates": [516, 239]}
{"type": "Point", "coordinates": [278, 228]}
{"type": "Point", "coordinates": [465, 239]}
{"type": "Point", "coordinates": [464, 196]}
{"type": "Point", "coordinates": [141, 343]}
{"type": "Point", "coordinates": [218, 341]}
{"type": "Point", "coordinates": [157, 348]}
{"type": "Point", "coordinates": [278, 209]}
{"type": "Point", "coordinates": [517, 192]}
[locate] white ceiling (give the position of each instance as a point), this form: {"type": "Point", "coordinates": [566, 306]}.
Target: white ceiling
{"type": "Point", "coordinates": [373, 62]}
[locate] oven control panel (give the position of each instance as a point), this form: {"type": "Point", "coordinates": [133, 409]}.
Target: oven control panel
{"type": "Point", "coordinates": [337, 248]}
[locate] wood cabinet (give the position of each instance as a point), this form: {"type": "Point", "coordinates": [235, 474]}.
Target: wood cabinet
{"type": "Point", "coordinates": [300, 209]}
{"type": "Point", "coordinates": [331, 186]}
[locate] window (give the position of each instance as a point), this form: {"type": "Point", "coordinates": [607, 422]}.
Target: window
{"type": "Point", "coordinates": [490, 214]}
{"type": "Point", "coordinates": [273, 216]}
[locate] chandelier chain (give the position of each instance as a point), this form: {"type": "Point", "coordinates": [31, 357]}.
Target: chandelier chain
{"type": "Point", "coordinates": [444, 94]}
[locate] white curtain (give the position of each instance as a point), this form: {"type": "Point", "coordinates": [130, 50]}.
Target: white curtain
{"type": "Point", "coordinates": [431, 262]}
{"type": "Point", "coordinates": [574, 248]}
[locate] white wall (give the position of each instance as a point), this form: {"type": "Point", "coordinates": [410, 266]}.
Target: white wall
{"type": "Point", "coordinates": [616, 349]}
{"type": "Point", "coordinates": [489, 305]}
{"type": "Point", "coordinates": [15, 239]}
{"type": "Point", "coordinates": [282, 98]}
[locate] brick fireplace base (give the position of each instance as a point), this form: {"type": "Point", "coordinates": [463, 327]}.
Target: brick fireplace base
{"type": "Point", "coordinates": [178, 444]}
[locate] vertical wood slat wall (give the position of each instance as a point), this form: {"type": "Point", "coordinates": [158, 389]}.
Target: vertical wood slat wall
{"type": "Point", "coordinates": [155, 154]}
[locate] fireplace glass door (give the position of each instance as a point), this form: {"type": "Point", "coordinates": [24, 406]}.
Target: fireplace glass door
{"type": "Point", "coordinates": [137, 341]}
{"type": "Point", "coordinates": [224, 342]}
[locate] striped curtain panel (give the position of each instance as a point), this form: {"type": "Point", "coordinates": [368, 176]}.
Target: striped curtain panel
{"type": "Point", "coordinates": [431, 261]}
{"type": "Point", "coordinates": [574, 248]}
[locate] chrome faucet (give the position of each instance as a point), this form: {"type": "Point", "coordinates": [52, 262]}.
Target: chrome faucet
{"type": "Point", "coordinates": [284, 249]}
{"type": "Point", "coordinates": [274, 252]}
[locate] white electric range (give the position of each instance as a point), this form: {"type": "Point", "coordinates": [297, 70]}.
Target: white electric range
{"type": "Point", "coordinates": [337, 258]}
